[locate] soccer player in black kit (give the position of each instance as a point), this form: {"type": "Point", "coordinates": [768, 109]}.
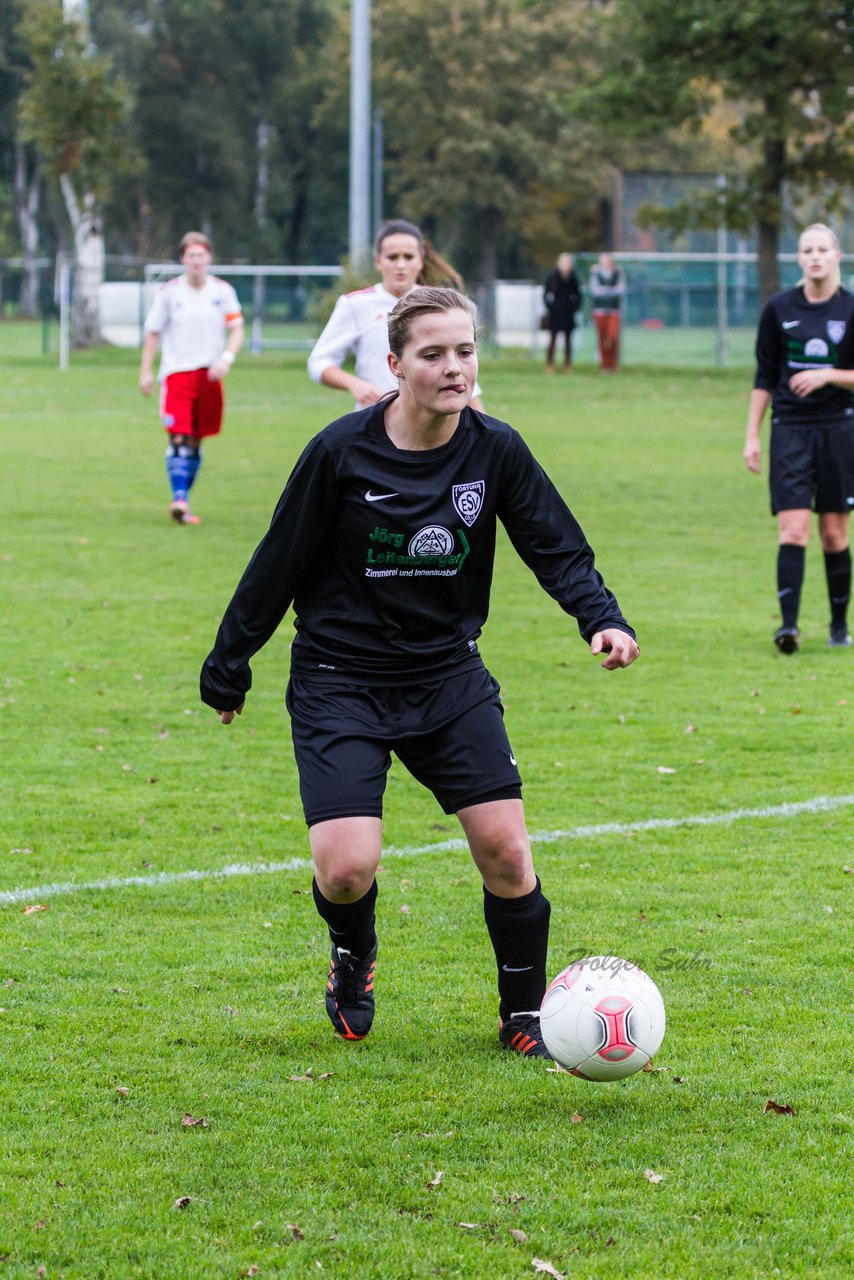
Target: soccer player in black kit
{"type": "Point", "coordinates": [384, 540]}
{"type": "Point", "coordinates": [805, 369]}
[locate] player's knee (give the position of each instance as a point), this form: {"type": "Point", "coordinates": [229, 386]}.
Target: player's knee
{"type": "Point", "coordinates": [509, 857]}
{"type": "Point", "coordinates": [345, 880]}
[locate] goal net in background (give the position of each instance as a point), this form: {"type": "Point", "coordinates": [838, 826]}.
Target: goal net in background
{"type": "Point", "coordinates": [284, 306]}
{"type": "Point", "coordinates": [690, 309]}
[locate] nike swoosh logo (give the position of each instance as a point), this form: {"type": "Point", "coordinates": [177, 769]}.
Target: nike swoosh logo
{"type": "Point", "coordinates": [790, 324]}
{"type": "Point", "coordinates": [378, 497]}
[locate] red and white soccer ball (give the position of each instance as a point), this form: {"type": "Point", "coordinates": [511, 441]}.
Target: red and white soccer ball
{"type": "Point", "coordinates": [602, 1018]}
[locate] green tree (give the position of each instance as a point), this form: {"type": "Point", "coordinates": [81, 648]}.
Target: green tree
{"type": "Point", "coordinates": [474, 98]}
{"type": "Point", "coordinates": [73, 109]}
{"type": "Point", "coordinates": [226, 96]}
{"type": "Point", "coordinates": [787, 67]}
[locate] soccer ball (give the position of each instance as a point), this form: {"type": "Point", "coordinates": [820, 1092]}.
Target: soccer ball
{"type": "Point", "coordinates": [602, 1018]}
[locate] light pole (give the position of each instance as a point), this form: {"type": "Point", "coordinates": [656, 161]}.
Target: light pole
{"type": "Point", "coordinates": [360, 133]}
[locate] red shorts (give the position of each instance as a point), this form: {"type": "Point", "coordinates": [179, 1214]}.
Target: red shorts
{"type": "Point", "coordinates": [191, 404]}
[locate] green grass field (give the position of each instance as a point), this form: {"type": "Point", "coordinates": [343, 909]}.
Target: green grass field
{"type": "Point", "coordinates": [128, 1006]}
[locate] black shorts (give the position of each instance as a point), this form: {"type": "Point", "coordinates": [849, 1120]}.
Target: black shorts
{"type": "Point", "coordinates": [812, 466]}
{"type": "Point", "coordinates": [450, 736]}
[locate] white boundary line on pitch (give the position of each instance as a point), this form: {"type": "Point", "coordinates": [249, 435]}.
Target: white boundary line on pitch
{"type": "Point", "coordinates": [820, 804]}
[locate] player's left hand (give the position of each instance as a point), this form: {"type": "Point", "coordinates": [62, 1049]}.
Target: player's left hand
{"type": "Point", "coordinates": [808, 380]}
{"type": "Point", "coordinates": [218, 370]}
{"type": "Point", "coordinates": [620, 648]}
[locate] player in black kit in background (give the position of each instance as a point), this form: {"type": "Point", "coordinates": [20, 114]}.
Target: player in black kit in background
{"type": "Point", "coordinates": [805, 369]}
{"type": "Point", "coordinates": [384, 541]}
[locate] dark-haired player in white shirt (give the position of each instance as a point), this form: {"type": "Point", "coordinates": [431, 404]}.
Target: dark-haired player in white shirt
{"type": "Point", "coordinates": [805, 370]}
{"type": "Point", "coordinates": [384, 541]}
{"type": "Point", "coordinates": [359, 324]}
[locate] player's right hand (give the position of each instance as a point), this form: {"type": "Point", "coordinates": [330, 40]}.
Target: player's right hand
{"type": "Point", "coordinates": [366, 394]}
{"type": "Point", "coordinates": [146, 383]}
{"type": "Point", "coordinates": [227, 716]}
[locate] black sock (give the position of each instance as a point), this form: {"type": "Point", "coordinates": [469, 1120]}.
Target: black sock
{"type": "Point", "coordinates": [790, 577]}
{"type": "Point", "coordinates": [519, 931]}
{"type": "Point", "coordinates": [350, 924]}
{"type": "Point", "coordinates": [837, 565]}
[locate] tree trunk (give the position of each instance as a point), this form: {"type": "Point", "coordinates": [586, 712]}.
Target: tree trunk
{"type": "Point", "coordinates": [489, 222]}
{"type": "Point", "coordinates": [87, 228]}
{"type": "Point", "coordinates": [27, 199]}
{"type": "Point", "coordinates": [263, 138]}
{"type": "Point", "coordinates": [770, 208]}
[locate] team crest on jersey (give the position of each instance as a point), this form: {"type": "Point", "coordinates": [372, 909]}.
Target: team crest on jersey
{"type": "Point", "coordinates": [431, 541]}
{"type": "Point", "coordinates": [468, 500]}
{"type": "Point", "coordinates": [836, 331]}
{"type": "Point", "coordinates": [816, 347]}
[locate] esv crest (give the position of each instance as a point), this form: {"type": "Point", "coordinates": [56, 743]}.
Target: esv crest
{"type": "Point", "coordinates": [468, 500]}
{"type": "Point", "coordinates": [836, 331]}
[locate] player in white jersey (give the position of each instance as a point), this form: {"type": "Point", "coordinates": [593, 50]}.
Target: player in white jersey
{"type": "Point", "coordinates": [359, 323]}
{"type": "Point", "coordinates": [197, 322]}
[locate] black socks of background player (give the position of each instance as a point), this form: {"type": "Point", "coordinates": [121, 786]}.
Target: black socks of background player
{"type": "Point", "coordinates": [790, 577]}
{"type": "Point", "coordinates": [350, 924]}
{"type": "Point", "coordinates": [837, 566]}
{"type": "Point", "coordinates": [519, 931]}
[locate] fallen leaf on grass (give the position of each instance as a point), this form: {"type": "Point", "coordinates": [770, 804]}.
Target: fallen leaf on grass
{"type": "Point", "coordinates": [182, 1202]}
{"type": "Point", "coordinates": [434, 1182]}
{"type": "Point", "coordinates": [31, 910]}
{"type": "Point", "coordinates": [642, 915]}
{"type": "Point", "coordinates": [651, 1070]}
{"type": "Point", "coordinates": [404, 910]}
{"type": "Point", "coordinates": [295, 1231]}
{"type": "Point", "coordinates": [662, 768]}
{"type": "Point", "coordinates": [470, 1226]}
{"type": "Point", "coordinates": [41, 1273]}
{"type": "Point", "coordinates": [252, 1270]}
{"type": "Point", "coordinates": [576, 1118]}
{"type": "Point", "coordinates": [518, 1236]}
{"type": "Point", "coordinates": [678, 1079]}
{"type": "Point", "coordinates": [848, 871]}
{"type": "Point", "coordinates": [690, 728]}
{"type": "Point", "coordinates": [779, 1109]}
{"type": "Point", "coordinates": [191, 1122]}
{"type": "Point", "coordinates": [122, 1090]}
{"type": "Point", "coordinates": [20, 850]}
{"type": "Point", "coordinates": [652, 1176]}
{"type": "Point", "coordinates": [546, 1268]}
{"type": "Point", "coordinates": [309, 1075]}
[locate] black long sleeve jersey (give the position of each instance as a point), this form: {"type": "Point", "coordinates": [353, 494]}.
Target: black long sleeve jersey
{"type": "Point", "coordinates": [797, 334]}
{"type": "Point", "coordinates": [387, 556]}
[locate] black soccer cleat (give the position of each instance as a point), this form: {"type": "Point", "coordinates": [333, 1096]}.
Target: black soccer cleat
{"type": "Point", "coordinates": [787, 639]}
{"type": "Point", "coordinates": [521, 1033]}
{"type": "Point", "coordinates": [350, 992]}
{"type": "Point", "coordinates": [840, 636]}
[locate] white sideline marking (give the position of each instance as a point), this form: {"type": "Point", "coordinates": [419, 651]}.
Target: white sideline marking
{"type": "Point", "coordinates": [820, 804]}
